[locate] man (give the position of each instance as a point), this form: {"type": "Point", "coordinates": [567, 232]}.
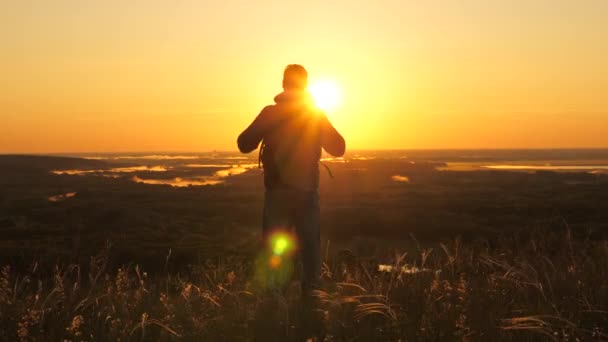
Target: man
{"type": "Point", "coordinates": [293, 132]}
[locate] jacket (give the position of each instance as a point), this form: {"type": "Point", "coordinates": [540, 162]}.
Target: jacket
{"type": "Point", "coordinates": [292, 133]}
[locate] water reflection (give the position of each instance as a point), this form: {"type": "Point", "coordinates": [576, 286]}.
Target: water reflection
{"type": "Point", "coordinates": [466, 166]}
{"type": "Point", "coordinates": [112, 170]}
{"type": "Point", "coordinates": [151, 157]}
{"type": "Point", "coordinates": [179, 182]}
{"type": "Point", "coordinates": [216, 178]}
{"type": "Point", "coordinates": [62, 197]}
{"type": "Point", "coordinates": [140, 168]}
{"type": "Point", "coordinates": [205, 165]}
{"type": "Point", "coordinates": [333, 160]}
{"type": "Point", "coordinates": [164, 157]}
{"type": "Point", "coordinates": [235, 170]}
{"type": "Point", "coordinates": [401, 179]}
{"type": "Point", "coordinates": [75, 172]}
{"type": "Point", "coordinates": [548, 167]}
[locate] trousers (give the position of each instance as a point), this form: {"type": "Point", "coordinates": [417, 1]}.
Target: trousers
{"type": "Point", "coordinates": [290, 209]}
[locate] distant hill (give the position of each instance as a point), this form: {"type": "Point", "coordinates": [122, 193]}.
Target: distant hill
{"type": "Point", "coordinates": [38, 163]}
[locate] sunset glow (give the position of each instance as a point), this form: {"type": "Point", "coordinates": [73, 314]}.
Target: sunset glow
{"type": "Point", "coordinates": [116, 76]}
{"type": "Point", "coordinates": [326, 95]}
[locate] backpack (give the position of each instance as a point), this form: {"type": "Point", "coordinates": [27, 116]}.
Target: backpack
{"type": "Point", "coordinates": [290, 152]}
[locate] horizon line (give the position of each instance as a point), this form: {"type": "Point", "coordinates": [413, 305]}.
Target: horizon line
{"type": "Point", "coordinates": [152, 152]}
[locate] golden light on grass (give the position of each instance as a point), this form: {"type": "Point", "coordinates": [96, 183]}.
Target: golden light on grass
{"type": "Point", "coordinates": [326, 94]}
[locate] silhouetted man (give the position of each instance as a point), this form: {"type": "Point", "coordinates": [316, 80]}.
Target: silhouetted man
{"type": "Point", "coordinates": [292, 133]}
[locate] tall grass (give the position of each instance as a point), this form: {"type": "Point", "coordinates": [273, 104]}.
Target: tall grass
{"type": "Point", "coordinates": [533, 286]}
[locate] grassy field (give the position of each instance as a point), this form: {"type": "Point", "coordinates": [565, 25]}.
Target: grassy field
{"type": "Point", "coordinates": [534, 286]}
{"type": "Point", "coordinates": [475, 256]}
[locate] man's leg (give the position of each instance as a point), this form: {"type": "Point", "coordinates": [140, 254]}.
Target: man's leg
{"type": "Point", "coordinates": [276, 212]}
{"type": "Point", "coordinates": [276, 218]}
{"type": "Point", "coordinates": [271, 317]}
{"type": "Point", "coordinates": [308, 230]}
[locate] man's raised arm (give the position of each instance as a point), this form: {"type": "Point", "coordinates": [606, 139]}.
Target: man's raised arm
{"type": "Point", "coordinates": [252, 135]}
{"type": "Point", "coordinates": [331, 140]}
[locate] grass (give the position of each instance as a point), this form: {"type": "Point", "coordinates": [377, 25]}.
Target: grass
{"type": "Point", "coordinates": [528, 286]}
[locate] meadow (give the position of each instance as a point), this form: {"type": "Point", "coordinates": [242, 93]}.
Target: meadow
{"type": "Point", "coordinates": [427, 256]}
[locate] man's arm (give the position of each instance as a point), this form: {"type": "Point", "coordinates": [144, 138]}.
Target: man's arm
{"type": "Point", "coordinates": [252, 135]}
{"type": "Point", "coordinates": [331, 140]}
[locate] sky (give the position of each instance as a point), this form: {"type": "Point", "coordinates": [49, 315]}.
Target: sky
{"type": "Point", "coordinates": [181, 75]}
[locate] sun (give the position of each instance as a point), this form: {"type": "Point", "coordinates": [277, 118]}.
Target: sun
{"type": "Point", "coordinates": [326, 94]}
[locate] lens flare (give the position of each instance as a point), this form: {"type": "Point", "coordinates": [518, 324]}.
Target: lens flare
{"type": "Point", "coordinates": [281, 243]}
{"type": "Point", "coordinates": [274, 265]}
{"type": "Point", "coordinates": [275, 261]}
{"type": "Point", "coordinates": [279, 246]}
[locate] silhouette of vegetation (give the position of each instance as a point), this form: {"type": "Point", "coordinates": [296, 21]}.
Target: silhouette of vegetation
{"type": "Point", "coordinates": [540, 285]}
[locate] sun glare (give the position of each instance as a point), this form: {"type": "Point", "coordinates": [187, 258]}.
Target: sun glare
{"type": "Point", "coordinates": [326, 94]}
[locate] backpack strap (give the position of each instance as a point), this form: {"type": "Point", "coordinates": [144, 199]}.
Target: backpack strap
{"type": "Point", "coordinates": [260, 153]}
{"type": "Point", "coordinates": [331, 175]}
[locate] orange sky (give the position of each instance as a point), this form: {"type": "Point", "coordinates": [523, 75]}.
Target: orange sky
{"type": "Point", "coordinates": [94, 76]}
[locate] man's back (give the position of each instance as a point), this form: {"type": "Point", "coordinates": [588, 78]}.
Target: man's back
{"type": "Point", "coordinates": [293, 133]}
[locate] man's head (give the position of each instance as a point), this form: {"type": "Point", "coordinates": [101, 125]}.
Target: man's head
{"type": "Point", "coordinates": [295, 77]}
